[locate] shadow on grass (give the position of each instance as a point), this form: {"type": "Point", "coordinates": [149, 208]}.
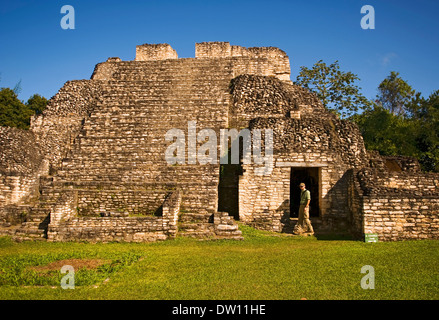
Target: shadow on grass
{"type": "Point", "coordinates": [251, 233]}
{"type": "Point", "coordinates": [335, 236]}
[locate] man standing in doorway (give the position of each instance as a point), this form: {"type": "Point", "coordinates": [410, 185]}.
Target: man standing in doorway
{"type": "Point", "coordinates": [303, 223]}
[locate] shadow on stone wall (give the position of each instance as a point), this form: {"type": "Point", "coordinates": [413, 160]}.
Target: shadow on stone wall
{"type": "Point", "coordinates": [336, 212]}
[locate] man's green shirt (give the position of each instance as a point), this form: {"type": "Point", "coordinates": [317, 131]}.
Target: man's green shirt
{"type": "Point", "coordinates": [305, 195]}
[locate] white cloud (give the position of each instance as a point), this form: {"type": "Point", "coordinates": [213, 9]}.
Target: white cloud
{"type": "Point", "coordinates": [387, 58]}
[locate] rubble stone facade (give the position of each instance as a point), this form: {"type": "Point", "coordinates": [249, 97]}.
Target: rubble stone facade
{"type": "Point", "coordinates": [92, 166]}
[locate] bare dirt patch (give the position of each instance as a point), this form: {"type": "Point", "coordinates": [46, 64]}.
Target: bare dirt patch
{"type": "Point", "coordinates": [75, 263]}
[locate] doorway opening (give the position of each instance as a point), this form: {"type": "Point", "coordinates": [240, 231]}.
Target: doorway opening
{"type": "Point", "coordinates": [228, 189]}
{"type": "Point", "coordinates": [311, 177]}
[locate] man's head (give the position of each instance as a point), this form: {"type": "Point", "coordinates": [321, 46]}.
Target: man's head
{"type": "Point", "coordinates": [302, 186]}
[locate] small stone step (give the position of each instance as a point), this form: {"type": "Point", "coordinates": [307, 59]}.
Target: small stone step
{"type": "Point", "coordinates": [196, 234]}
{"type": "Point", "coordinates": [195, 217]}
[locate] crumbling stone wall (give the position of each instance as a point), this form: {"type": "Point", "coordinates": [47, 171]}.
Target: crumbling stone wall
{"type": "Point", "coordinates": [397, 204]}
{"type": "Point", "coordinates": [67, 226]}
{"type": "Point", "coordinates": [402, 216]}
{"type": "Point", "coordinates": [160, 51]}
{"type": "Point", "coordinates": [19, 153]}
{"type": "Point", "coordinates": [255, 96]}
{"type": "Point", "coordinates": [58, 126]}
{"type": "Point", "coordinates": [20, 162]}
{"type": "Point", "coordinates": [268, 61]}
{"type": "Point", "coordinates": [258, 60]}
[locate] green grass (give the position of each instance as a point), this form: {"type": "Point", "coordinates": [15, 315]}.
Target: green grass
{"type": "Point", "coordinates": [17, 270]}
{"type": "Point", "coordinates": [263, 266]}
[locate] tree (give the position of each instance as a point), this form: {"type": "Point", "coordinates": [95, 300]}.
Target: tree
{"type": "Point", "coordinates": [13, 113]}
{"type": "Point", "coordinates": [394, 94]}
{"type": "Point", "coordinates": [415, 134]}
{"type": "Point", "coordinates": [425, 112]}
{"type": "Point", "coordinates": [37, 103]}
{"type": "Point", "coordinates": [336, 89]}
{"type": "Point", "coordinates": [385, 132]}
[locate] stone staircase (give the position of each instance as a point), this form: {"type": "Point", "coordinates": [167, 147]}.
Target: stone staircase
{"type": "Point", "coordinates": [117, 162]}
{"type": "Point", "coordinates": [35, 221]}
{"type": "Point", "coordinates": [205, 226]}
{"type": "Point", "coordinates": [196, 225]}
{"type": "Point", "coordinates": [35, 227]}
{"type": "Point", "coordinates": [122, 144]}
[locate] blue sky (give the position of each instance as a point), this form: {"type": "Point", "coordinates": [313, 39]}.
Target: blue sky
{"type": "Point", "coordinates": [36, 50]}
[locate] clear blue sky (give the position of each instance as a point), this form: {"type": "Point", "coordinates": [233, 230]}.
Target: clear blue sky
{"type": "Point", "coordinates": [36, 50]}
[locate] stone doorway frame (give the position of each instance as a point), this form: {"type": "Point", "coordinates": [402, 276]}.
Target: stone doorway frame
{"type": "Point", "coordinates": [312, 177]}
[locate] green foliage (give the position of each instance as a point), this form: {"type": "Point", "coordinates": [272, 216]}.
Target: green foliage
{"type": "Point", "coordinates": [336, 89]}
{"type": "Point", "coordinates": [394, 94]}
{"type": "Point", "coordinates": [414, 131]}
{"type": "Point", "coordinates": [37, 103]}
{"type": "Point", "coordinates": [425, 113]}
{"type": "Point", "coordinates": [399, 122]}
{"type": "Point", "coordinates": [15, 113]}
{"type": "Point", "coordinates": [16, 270]}
{"type": "Point", "coordinates": [387, 133]}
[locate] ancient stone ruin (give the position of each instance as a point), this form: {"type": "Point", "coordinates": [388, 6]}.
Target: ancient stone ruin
{"type": "Point", "coordinates": [93, 167]}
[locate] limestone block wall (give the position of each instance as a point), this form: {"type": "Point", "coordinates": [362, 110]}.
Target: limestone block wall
{"type": "Point", "coordinates": [258, 60]}
{"type": "Point", "coordinates": [393, 163]}
{"type": "Point", "coordinates": [119, 202]}
{"type": "Point", "coordinates": [225, 227]}
{"type": "Point", "coordinates": [105, 229]}
{"type": "Point", "coordinates": [129, 229]}
{"type": "Point", "coordinates": [355, 204]}
{"type": "Point", "coordinates": [264, 201]}
{"type": "Point", "coordinates": [403, 163]}
{"type": "Point", "coordinates": [420, 183]}
{"type": "Point", "coordinates": [20, 163]}
{"type": "Point", "coordinates": [59, 125]}
{"type": "Point", "coordinates": [170, 211]}
{"type": "Point", "coordinates": [162, 51]}
{"type": "Point", "coordinates": [397, 205]}
{"type": "Point", "coordinates": [105, 70]}
{"type": "Point", "coordinates": [256, 96]}
{"type": "Point", "coordinates": [28, 156]}
{"type": "Point", "coordinates": [400, 217]}
{"type": "Point", "coordinates": [19, 152]}
{"type": "Point", "coordinates": [13, 215]}
{"type": "Point", "coordinates": [64, 208]}
{"type": "Point", "coordinates": [213, 50]}
{"type": "Point", "coordinates": [17, 189]}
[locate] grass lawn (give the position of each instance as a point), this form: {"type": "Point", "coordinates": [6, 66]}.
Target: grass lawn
{"type": "Point", "coordinates": [263, 266]}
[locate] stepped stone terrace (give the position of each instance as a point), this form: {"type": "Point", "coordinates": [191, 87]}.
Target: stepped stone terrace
{"type": "Point", "coordinates": [92, 166]}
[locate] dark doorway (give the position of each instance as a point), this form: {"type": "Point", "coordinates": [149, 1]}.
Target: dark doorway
{"type": "Point", "coordinates": [311, 178]}
{"type": "Point", "coordinates": [228, 196]}
{"type": "Point", "coordinates": [228, 188]}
